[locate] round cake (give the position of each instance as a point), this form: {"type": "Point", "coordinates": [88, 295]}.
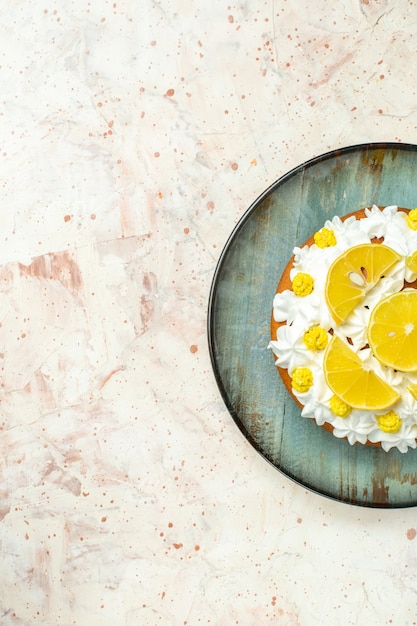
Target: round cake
{"type": "Point", "coordinates": [344, 327]}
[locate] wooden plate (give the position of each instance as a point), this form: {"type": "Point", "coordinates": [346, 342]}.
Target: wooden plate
{"type": "Point", "coordinates": [240, 303]}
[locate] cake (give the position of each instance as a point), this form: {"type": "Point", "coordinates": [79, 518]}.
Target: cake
{"type": "Point", "coordinates": [342, 327]}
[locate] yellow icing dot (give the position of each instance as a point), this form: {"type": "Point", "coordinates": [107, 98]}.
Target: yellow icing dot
{"type": "Point", "coordinates": [303, 284]}
{"type": "Point", "coordinates": [390, 422]}
{"type": "Point", "coordinates": [339, 407]}
{"type": "Point", "coordinates": [315, 338]}
{"type": "Point", "coordinates": [325, 238]}
{"type": "Point", "coordinates": [302, 379]}
{"type": "Point", "coordinates": [412, 219]}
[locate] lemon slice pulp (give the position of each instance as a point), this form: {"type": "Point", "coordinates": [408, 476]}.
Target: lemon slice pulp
{"type": "Point", "coordinates": [353, 274]}
{"type": "Point", "coordinates": [347, 377]}
{"type": "Point", "coordinates": [392, 330]}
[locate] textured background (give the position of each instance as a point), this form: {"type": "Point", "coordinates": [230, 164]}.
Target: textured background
{"type": "Point", "coordinates": [134, 135]}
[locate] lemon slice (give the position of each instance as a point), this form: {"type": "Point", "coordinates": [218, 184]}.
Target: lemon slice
{"type": "Point", "coordinates": [392, 330]}
{"type": "Point", "coordinates": [347, 377]}
{"type": "Point", "coordinates": [412, 262]}
{"type": "Point", "coordinates": [412, 388]}
{"type": "Point", "coordinates": [353, 274]}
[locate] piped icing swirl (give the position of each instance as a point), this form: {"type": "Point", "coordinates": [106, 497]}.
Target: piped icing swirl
{"type": "Point", "coordinates": [296, 314]}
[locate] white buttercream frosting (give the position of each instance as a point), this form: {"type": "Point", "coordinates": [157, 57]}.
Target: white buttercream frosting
{"type": "Point", "coordinates": [300, 314]}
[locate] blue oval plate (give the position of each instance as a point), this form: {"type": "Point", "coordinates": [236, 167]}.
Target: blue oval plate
{"type": "Point", "coordinates": [240, 305]}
